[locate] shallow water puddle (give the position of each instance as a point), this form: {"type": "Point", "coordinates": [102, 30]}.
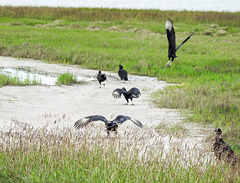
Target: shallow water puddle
{"type": "Point", "coordinates": [25, 74]}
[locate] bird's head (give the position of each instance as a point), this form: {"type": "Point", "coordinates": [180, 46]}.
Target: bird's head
{"type": "Point", "coordinates": [120, 66]}
{"type": "Point", "coordinates": [124, 89]}
{"type": "Point", "coordinates": [218, 131]}
{"type": "Point", "coordinates": [99, 72]}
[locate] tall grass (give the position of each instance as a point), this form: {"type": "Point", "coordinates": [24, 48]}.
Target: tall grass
{"type": "Point", "coordinates": [30, 154]}
{"type": "Point", "coordinates": [215, 103]}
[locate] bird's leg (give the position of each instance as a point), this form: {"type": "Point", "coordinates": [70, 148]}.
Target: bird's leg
{"type": "Point", "coordinates": [169, 64]}
{"type": "Point", "coordinates": [104, 84]}
{"type": "Point", "coordinates": [132, 102]}
{"type": "Point", "coordinates": [223, 167]}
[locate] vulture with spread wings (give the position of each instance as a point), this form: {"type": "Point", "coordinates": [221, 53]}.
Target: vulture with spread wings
{"type": "Point", "coordinates": [132, 93]}
{"type": "Point", "coordinates": [110, 125]}
{"type": "Point", "coordinates": [172, 41]}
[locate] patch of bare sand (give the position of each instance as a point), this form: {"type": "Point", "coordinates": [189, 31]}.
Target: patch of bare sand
{"type": "Point", "coordinates": [62, 106]}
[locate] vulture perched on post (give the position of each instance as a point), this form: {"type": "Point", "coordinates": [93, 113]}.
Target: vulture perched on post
{"type": "Point", "coordinates": [222, 150]}
{"type": "Point", "coordinates": [132, 93]}
{"type": "Point", "coordinates": [123, 74]}
{"type": "Point", "coordinates": [101, 77]}
{"type": "Point", "coordinates": [172, 41]}
{"type": "Point", "coordinates": [110, 125]}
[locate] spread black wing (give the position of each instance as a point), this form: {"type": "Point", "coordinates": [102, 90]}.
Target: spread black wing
{"type": "Point", "coordinates": [135, 93]}
{"type": "Point", "coordinates": [184, 41]}
{"type": "Point", "coordinates": [121, 119]}
{"type": "Point", "coordinates": [84, 121]}
{"type": "Point", "coordinates": [118, 92]}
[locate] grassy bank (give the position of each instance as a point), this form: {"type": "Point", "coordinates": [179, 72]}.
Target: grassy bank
{"type": "Point", "coordinates": [207, 68]}
{"type": "Point", "coordinates": [65, 155]}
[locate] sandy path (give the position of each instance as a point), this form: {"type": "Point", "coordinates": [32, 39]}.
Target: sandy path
{"type": "Point", "coordinates": [38, 105]}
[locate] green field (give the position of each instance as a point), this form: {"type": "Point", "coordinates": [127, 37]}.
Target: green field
{"type": "Point", "coordinates": [207, 68]}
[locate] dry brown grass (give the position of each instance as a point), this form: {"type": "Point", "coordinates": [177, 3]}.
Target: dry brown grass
{"type": "Point", "coordinates": [95, 14]}
{"type": "Point", "coordinates": [58, 154]}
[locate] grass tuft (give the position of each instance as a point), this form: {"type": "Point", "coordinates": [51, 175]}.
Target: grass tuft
{"type": "Point", "coordinates": [66, 79]}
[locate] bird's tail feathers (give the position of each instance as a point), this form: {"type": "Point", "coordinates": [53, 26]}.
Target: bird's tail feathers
{"type": "Point", "coordinates": [116, 95]}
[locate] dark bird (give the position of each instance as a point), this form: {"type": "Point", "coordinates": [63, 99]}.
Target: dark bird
{"type": "Point", "coordinates": [222, 150]}
{"type": "Point", "coordinates": [101, 77]}
{"type": "Point", "coordinates": [172, 41]}
{"type": "Point", "coordinates": [110, 125]}
{"type": "Point", "coordinates": [132, 93]}
{"type": "Point", "coordinates": [123, 74]}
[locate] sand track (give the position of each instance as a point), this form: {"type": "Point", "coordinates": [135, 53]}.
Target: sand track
{"type": "Point", "coordinates": [62, 106]}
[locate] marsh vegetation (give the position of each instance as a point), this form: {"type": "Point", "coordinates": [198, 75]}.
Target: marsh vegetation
{"type": "Point", "coordinates": [207, 73]}
{"type": "Point", "coordinates": [64, 155]}
{"type": "Point", "coordinates": [6, 79]}
{"type": "Point", "coordinates": [66, 79]}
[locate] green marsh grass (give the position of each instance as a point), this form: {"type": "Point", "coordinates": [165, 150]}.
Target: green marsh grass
{"type": "Point", "coordinates": [13, 81]}
{"type": "Point", "coordinates": [66, 79]}
{"type": "Point", "coordinates": [207, 67]}
{"type": "Point", "coordinates": [29, 154]}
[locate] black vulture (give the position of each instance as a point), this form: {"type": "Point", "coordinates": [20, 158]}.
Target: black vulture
{"type": "Point", "coordinates": [132, 93]}
{"type": "Point", "coordinates": [172, 41]}
{"type": "Point", "coordinates": [123, 74]}
{"type": "Point", "coordinates": [110, 125]}
{"type": "Point", "coordinates": [222, 150]}
{"type": "Point", "coordinates": [101, 77]}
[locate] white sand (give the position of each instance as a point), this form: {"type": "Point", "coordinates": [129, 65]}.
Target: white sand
{"type": "Point", "coordinates": [62, 106]}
